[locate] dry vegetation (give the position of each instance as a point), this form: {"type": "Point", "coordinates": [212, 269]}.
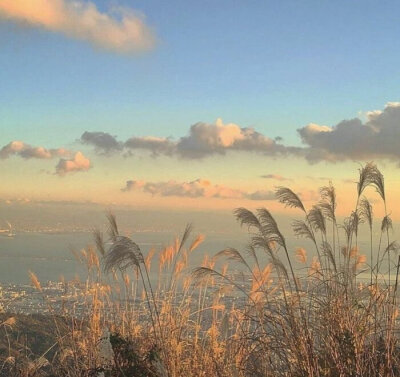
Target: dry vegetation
{"type": "Point", "coordinates": [317, 321]}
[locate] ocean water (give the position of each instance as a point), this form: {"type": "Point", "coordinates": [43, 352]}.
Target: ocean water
{"type": "Point", "coordinates": [49, 256]}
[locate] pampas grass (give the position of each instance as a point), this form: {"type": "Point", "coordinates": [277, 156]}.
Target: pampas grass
{"type": "Point", "coordinates": [247, 313]}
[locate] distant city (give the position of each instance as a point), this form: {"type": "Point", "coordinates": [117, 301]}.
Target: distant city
{"type": "Point", "coordinates": [25, 299]}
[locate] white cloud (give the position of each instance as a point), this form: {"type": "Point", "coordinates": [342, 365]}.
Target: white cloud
{"type": "Point", "coordinates": [75, 164]}
{"type": "Point", "coordinates": [120, 30]}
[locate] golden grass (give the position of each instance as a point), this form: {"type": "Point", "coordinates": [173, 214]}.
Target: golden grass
{"type": "Point", "coordinates": [258, 320]}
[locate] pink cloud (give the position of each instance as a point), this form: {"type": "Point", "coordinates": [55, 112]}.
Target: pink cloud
{"type": "Point", "coordinates": [199, 188]}
{"type": "Point", "coordinates": [77, 163]}
{"type": "Point", "coordinates": [120, 30]}
{"type": "Point", "coordinates": [24, 150]}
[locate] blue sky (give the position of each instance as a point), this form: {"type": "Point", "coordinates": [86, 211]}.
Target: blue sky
{"type": "Point", "coordinates": [275, 65]}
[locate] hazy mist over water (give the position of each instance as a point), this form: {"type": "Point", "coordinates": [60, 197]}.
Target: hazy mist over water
{"type": "Point", "coordinates": [49, 256]}
{"type": "Point", "coordinates": [46, 233]}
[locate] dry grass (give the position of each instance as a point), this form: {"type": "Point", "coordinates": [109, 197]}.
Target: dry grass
{"type": "Point", "coordinates": [258, 320]}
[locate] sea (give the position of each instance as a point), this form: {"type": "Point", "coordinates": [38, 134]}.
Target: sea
{"type": "Point", "coordinates": [50, 256]}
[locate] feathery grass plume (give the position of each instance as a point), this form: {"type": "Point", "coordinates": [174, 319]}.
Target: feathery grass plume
{"type": "Point", "coordinates": [201, 273]}
{"type": "Point", "coordinates": [328, 196]}
{"type": "Point", "coordinates": [366, 214]}
{"type": "Point", "coordinates": [185, 236]}
{"type": "Point", "coordinates": [35, 281]}
{"type": "Point", "coordinates": [393, 246]}
{"type": "Point", "coordinates": [122, 254]}
{"type": "Point", "coordinates": [301, 255]}
{"type": "Point", "coordinates": [287, 197]}
{"type": "Point", "coordinates": [371, 176]}
{"type": "Point", "coordinates": [260, 277]}
{"type": "Point", "coordinates": [365, 174]}
{"type": "Point", "coordinates": [317, 219]}
{"type": "Point", "coordinates": [251, 251]}
{"type": "Point", "coordinates": [92, 259]}
{"type": "Point", "coordinates": [178, 251]}
{"type": "Point", "coordinates": [234, 255]}
{"type": "Point", "coordinates": [315, 268]}
{"type": "Point", "coordinates": [328, 252]}
{"type": "Point", "coordinates": [246, 217]}
{"type": "Point", "coordinates": [355, 221]}
{"type": "Point", "coordinates": [347, 226]}
{"type": "Point", "coordinates": [99, 241]}
{"type": "Point", "coordinates": [261, 242]}
{"type": "Point", "coordinates": [377, 180]}
{"type": "Point", "coordinates": [270, 228]}
{"type": "Point", "coordinates": [149, 257]}
{"type": "Point", "coordinates": [359, 261]}
{"type": "Point", "coordinates": [112, 226]}
{"type": "Point", "coordinates": [301, 229]}
{"type": "Point", "coordinates": [260, 328]}
{"type": "Point", "coordinates": [197, 242]}
{"type": "Point", "coordinates": [366, 211]}
{"type": "Point", "coordinates": [327, 210]}
{"type": "Point", "coordinates": [387, 224]}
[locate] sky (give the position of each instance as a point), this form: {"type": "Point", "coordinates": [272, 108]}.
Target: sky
{"type": "Point", "coordinates": [196, 105]}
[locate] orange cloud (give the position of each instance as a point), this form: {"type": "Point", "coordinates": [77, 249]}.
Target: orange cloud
{"type": "Point", "coordinates": [27, 151]}
{"type": "Point", "coordinates": [122, 30]}
{"type": "Point", "coordinates": [199, 188]}
{"type": "Point", "coordinates": [77, 163]}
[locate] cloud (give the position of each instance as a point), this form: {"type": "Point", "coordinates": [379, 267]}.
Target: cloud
{"type": "Point", "coordinates": [26, 151]}
{"type": "Point", "coordinates": [261, 195]}
{"type": "Point", "coordinates": [75, 164]}
{"type": "Point", "coordinates": [312, 178]}
{"type": "Point", "coordinates": [157, 145]}
{"type": "Point", "coordinates": [203, 140]}
{"type": "Point", "coordinates": [377, 137]}
{"type": "Point", "coordinates": [103, 142]}
{"type": "Point", "coordinates": [199, 188]}
{"type": "Point", "coordinates": [120, 30]}
{"type": "Point", "coordinates": [206, 139]}
{"type": "Point", "coordinates": [194, 189]}
{"type": "Point", "coordinates": [275, 177]}
{"type": "Point", "coordinates": [69, 161]}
